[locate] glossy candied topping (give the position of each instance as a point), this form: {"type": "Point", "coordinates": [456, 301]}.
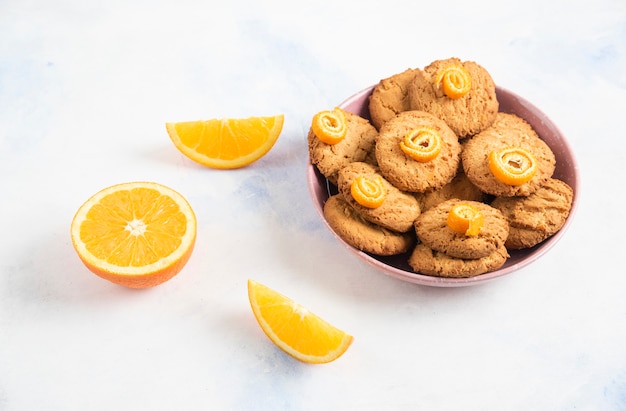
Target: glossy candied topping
{"type": "Point", "coordinates": [465, 219]}
{"type": "Point", "coordinates": [330, 126]}
{"type": "Point", "coordinates": [455, 80]}
{"type": "Point", "coordinates": [422, 144]}
{"type": "Point", "coordinates": [369, 192]}
{"type": "Point", "coordinates": [512, 165]}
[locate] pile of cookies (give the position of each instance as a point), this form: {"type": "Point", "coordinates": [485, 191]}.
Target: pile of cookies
{"type": "Point", "coordinates": [438, 173]}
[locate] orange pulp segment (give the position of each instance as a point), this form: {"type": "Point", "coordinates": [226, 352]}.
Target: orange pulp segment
{"type": "Point", "coordinates": [455, 80]}
{"type": "Point", "coordinates": [137, 234]}
{"type": "Point", "coordinates": [294, 329]}
{"type": "Point", "coordinates": [226, 143]}
{"type": "Point", "coordinates": [368, 192]}
{"type": "Point", "coordinates": [465, 219]}
{"type": "Point", "coordinates": [512, 165]}
{"type": "Point", "coordinates": [330, 126]}
{"type": "Point", "coordinates": [421, 144]}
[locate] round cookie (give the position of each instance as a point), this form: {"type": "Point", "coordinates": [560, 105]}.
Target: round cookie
{"type": "Point", "coordinates": [460, 187]}
{"type": "Point", "coordinates": [534, 218]}
{"type": "Point", "coordinates": [397, 212]}
{"type": "Point", "coordinates": [432, 229]}
{"type": "Point", "coordinates": [362, 234]}
{"type": "Point", "coordinates": [406, 173]}
{"type": "Point", "coordinates": [467, 115]}
{"type": "Point", "coordinates": [507, 130]}
{"type": "Point", "coordinates": [390, 97]}
{"type": "Point", "coordinates": [426, 261]}
{"type": "Point", "coordinates": [358, 145]}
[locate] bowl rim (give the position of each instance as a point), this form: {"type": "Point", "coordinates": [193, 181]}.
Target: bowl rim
{"type": "Point", "coordinates": [315, 178]}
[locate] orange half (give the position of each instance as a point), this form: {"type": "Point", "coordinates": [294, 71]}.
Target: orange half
{"type": "Point", "coordinates": [137, 234]}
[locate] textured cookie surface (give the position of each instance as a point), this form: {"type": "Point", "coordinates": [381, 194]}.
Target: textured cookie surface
{"type": "Point", "coordinates": [408, 174]}
{"type": "Point", "coordinates": [358, 145]}
{"type": "Point", "coordinates": [432, 229]}
{"type": "Point", "coordinates": [507, 130]}
{"type": "Point", "coordinates": [467, 115]}
{"type": "Point", "coordinates": [534, 218]}
{"type": "Point", "coordinates": [460, 187]}
{"type": "Point", "coordinates": [390, 97]}
{"type": "Point", "coordinates": [397, 212]}
{"type": "Point", "coordinates": [362, 234]}
{"type": "Point", "coordinates": [425, 260]}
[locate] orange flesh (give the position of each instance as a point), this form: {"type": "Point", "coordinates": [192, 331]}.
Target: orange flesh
{"type": "Point", "coordinates": [133, 228]}
{"type": "Point", "coordinates": [231, 144]}
{"type": "Point", "coordinates": [368, 192]}
{"type": "Point", "coordinates": [421, 144]}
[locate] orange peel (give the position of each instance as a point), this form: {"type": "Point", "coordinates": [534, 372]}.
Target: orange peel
{"type": "Point", "coordinates": [330, 126]}
{"type": "Point", "coordinates": [455, 80]}
{"type": "Point", "coordinates": [369, 192]}
{"type": "Point", "coordinates": [512, 165]}
{"type": "Point", "coordinates": [421, 144]}
{"type": "Point", "coordinates": [465, 219]}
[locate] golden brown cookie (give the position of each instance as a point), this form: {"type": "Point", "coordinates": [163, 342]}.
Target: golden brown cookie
{"type": "Point", "coordinates": [426, 261]}
{"type": "Point", "coordinates": [460, 187]}
{"type": "Point", "coordinates": [508, 130]}
{"type": "Point", "coordinates": [403, 171]}
{"type": "Point", "coordinates": [433, 231]}
{"type": "Point", "coordinates": [534, 218]}
{"type": "Point", "coordinates": [358, 145]}
{"type": "Point", "coordinates": [466, 115]}
{"type": "Point", "coordinates": [398, 210]}
{"type": "Point", "coordinates": [362, 234]}
{"type": "Point", "coordinates": [390, 97]}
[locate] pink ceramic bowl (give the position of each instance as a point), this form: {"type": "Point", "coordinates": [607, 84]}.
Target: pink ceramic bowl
{"type": "Point", "coordinates": [397, 266]}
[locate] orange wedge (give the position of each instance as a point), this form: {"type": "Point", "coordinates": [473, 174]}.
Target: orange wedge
{"type": "Point", "coordinates": [137, 234]}
{"type": "Point", "coordinates": [294, 329]}
{"type": "Point", "coordinates": [226, 143]}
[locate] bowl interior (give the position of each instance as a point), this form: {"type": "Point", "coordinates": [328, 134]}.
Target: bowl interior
{"type": "Point", "coordinates": [397, 266]}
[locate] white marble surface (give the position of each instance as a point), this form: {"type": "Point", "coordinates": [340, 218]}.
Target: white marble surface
{"type": "Point", "coordinates": [85, 90]}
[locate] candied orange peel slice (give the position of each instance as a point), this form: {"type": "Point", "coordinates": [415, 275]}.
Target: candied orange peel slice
{"type": "Point", "coordinates": [369, 192]}
{"type": "Point", "coordinates": [512, 165]}
{"type": "Point", "coordinates": [421, 144]}
{"type": "Point", "coordinates": [455, 80]}
{"type": "Point", "coordinates": [465, 219]}
{"type": "Point", "coordinates": [330, 126]}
